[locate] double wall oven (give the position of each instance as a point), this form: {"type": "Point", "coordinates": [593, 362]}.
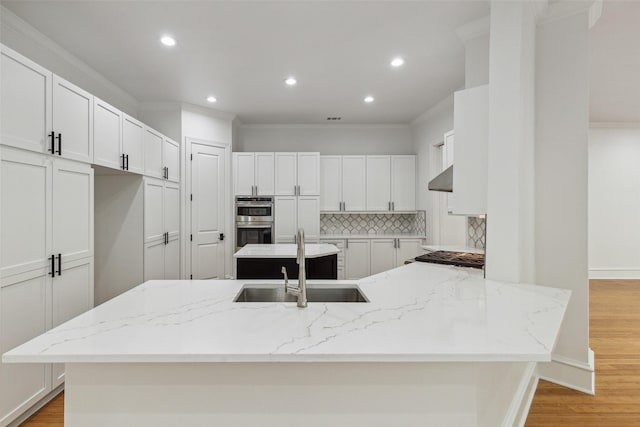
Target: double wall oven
{"type": "Point", "coordinates": [254, 220]}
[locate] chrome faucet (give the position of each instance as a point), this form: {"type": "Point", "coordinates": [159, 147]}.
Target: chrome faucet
{"type": "Point", "coordinates": [301, 290]}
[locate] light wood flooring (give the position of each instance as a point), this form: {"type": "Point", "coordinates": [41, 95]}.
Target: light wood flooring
{"type": "Point", "coordinates": [615, 339]}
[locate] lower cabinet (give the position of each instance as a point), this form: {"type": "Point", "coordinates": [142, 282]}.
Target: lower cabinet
{"type": "Point", "coordinates": [341, 257]}
{"type": "Point", "coordinates": [357, 258]}
{"type": "Point", "coordinates": [293, 212]}
{"type": "Point", "coordinates": [383, 255]}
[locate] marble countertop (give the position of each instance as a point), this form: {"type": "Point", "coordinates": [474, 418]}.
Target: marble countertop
{"type": "Point", "coordinates": [286, 250]}
{"type": "Point", "coordinates": [417, 313]}
{"type": "Point", "coordinates": [371, 236]}
{"type": "Point", "coordinates": [454, 248]}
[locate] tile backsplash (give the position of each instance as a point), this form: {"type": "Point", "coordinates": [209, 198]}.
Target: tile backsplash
{"type": "Point", "coordinates": [476, 232]}
{"type": "Point", "coordinates": [373, 223]}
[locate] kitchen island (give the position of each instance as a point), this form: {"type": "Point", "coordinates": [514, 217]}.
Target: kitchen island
{"type": "Point", "coordinates": [435, 345]}
{"type": "Point", "coordinates": [266, 261]}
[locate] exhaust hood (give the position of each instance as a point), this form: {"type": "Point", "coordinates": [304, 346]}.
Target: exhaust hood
{"type": "Point", "coordinates": [443, 181]}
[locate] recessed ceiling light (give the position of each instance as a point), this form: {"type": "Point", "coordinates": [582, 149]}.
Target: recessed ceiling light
{"type": "Point", "coordinates": [211, 99]}
{"type": "Point", "coordinates": [397, 62]}
{"type": "Point", "coordinates": [369, 99]}
{"type": "Point", "coordinates": [168, 41]}
{"type": "Point", "coordinates": [290, 81]}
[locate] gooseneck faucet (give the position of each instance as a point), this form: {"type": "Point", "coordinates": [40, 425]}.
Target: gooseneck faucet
{"type": "Point", "coordinates": [301, 290]}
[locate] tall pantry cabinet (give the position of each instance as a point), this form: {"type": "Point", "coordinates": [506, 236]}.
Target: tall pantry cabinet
{"type": "Point", "coordinates": [46, 267]}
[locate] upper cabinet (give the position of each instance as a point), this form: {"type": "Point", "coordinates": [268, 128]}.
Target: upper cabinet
{"type": "Point", "coordinates": [171, 159]}
{"type": "Point", "coordinates": [471, 125]}
{"type": "Point", "coordinates": [343, 183]}
{"type": "Point", "coordinates": [297, 174]}
{"type": "Point", "coordinates": [153, 153]}
{"type": "Point", "coordinates": [25, 110]}
{"type": "Point", "coordinates": [132, 144]}
{"type": "Point", "coordinates": [107, 135]}
{"type": "Point", "coordinates": [72, 121]}
{"type": "Point", "coordinates": [391, 183]}
{"type": "Point", "coordinates": [253, 174]}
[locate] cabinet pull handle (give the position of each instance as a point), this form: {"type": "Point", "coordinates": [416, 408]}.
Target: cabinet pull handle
{"type": "Point", "coordinates": [127, 162]}
{"type": "Point", "coordinates": [393, 206]}
{"type": "Point", "coordinates": [124, 165]}
{"type": "Point", "coordinates": [346, 244]}
{"type": "Point", "coordinates": [59, 265]}
{"type": "Point", "coordinates": [52, 135]}
{"type": "Point", "coordinates": [52, 273]}
{"type": "Point", "coordinates": [59, 144]}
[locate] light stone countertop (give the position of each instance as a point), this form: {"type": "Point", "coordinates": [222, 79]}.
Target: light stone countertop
{"type": "Point", "coordinates": [417, 313]}
{"type": "Point", "coordinates": [453, 248]}
{"type": "Point", "coordinates": [371, 236]}
{"type": "Point", "coordinates": [286, 250]}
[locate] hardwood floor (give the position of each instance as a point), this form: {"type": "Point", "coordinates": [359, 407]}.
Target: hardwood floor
{"type": "Point", "coordinates": [615, 339]}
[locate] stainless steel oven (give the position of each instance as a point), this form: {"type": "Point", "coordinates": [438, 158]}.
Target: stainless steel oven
{"type": "Point", "coordinates": [254, 220]}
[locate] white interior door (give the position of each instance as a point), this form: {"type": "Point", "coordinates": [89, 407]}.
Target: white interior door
{"type": "Point", "coordinates": [25, 211]}
{"type": "Point", "coordinates": [25, 110]}
{"type": "Point", "coordinates": [378, 183]}
{"type": "Point", "coordinates": [72, 120]}
{"type": "Point", "coordinates": [207, 211]}
{"type": "Point", "coordinates": [72, 210]}
{"type": "Point", "coordinates": [107, 135]}
{"type": "Point", "coordinates": [71, 295]}
{"type": "Point", "coordinates": [133, 143]}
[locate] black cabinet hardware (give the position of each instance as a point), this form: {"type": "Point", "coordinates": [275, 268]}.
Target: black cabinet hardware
{"type": "Point", "coordinates": [52, 273]}
{"type": "Point", "coordinates": [127, 158]}
{"type": "Point", "coordinates": [191, 238]}
{"type": "Point", "coordinates": [59, 265]}
{"type": "Point", "coordinates": [52, 135]}
{"type": "Point", "coordinates": [221, 237]}
{"type": "Point", "coordinates": [59, 144]}
{"type": "Point", "coordinates": [124, 165]}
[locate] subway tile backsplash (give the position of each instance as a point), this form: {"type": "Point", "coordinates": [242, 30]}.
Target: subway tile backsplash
{"type": "Point", "coordinates": [373, 223]}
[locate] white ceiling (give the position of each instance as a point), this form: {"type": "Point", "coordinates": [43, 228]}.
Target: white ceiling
{"type": "Point", "coordinates": [615, 63]}
{"type": "Point", "coordinates": [242, 51]}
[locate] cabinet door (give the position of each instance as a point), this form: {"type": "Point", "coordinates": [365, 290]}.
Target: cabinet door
{"type": "Point", "coordinates": [25, 211]}
{"type": "Point", "coordinates": [72, 210]}
{"type": "Point", "coordinates": [171, 155]}
{"type": "Point", "coordinates": [153, 143]}
{"type": "Point", "coordinates": [73, 120]}
{"type": "Point", "coordinates": [154, 260]}
{"type": "Point", "coordinates": [309, 217]}
{"type": "Point", "coordinates": [24, 314]}
{"type": "Point", "coordinates": [378, 183]}
{"type": "Point", "coordinates": [153, 210]}
{"type": "Point", "coordinates": [330, 183]}
{"type": "Point", "coordinates": [71, 295]}
{"type": "Point", "coordinates": [357, 259]}
{"type": "Point", "coordinates": [354, 183]}
{"type": "Point", "coordinates": [243, 174]}
{"type": "Point", "coordinates": [286, 221]}
{"type": "Point", "coordinates": [107, 135]}
{"type": "Point", "coordinates": [286, 176]}
{"type": "Point", "coordinates": [264, 174]}
{"type": "Point", "coordinates": [383, 255]}
{"type": "Point", "coordinates": [403, 183]}
{"type": "Point", "coordinates": [171, 207]}
{"type": "Point", "coordinates": [308, 174]}
{"type": "Point", "coordinates": [172, 259]}
{"type": "Point", "coordinates": [447, 160]}
{"type": "Point", "coordinates": [133, 143]}
{"type": "Point", "coordinates": [25, 110]}
{"type": "Point", "coordinates": [408, 249]}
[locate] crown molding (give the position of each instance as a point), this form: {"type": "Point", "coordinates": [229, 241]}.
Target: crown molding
{"type": "Point", "coordinates": [10, 20]}
{"type": "Point", "coordinates": [566, 8]}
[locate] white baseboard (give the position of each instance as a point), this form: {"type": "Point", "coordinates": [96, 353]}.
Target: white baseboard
{"type": "Point", "coordinates": [614, 273]}
{"type": "Point", "coordinates": [522, 398]}
{"type": "Point", "coordinates": [570, 373]}
{"type": "Point", "coordinates": [35, 408]}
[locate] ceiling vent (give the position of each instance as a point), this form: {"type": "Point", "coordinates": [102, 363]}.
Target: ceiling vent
{"type": "Point", "coordinates": [334, 118]}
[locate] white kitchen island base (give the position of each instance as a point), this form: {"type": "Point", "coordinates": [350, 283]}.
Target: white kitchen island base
{"type": "Point", "coordinates": [295, 394]}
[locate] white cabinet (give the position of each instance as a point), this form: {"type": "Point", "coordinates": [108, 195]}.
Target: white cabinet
{"type": "Point", "coordinates": [133, 144]}
{"type": "Point", "coordinates": [253, 174]}
{"type": "Point", "coordinates": [25, 110]}
{"type": "Point", "coordinates": [408, 249]}
{"type": "Point", "coordinates": [383, 255]}
{"type": "Point", "coordinates": [403, 183]}
{"type": "Point", "coordinates": [293, 212]}
{"type": "Point", "coordinates": [343, 183]}
{"type": "Point", "coordinates": [297, 174]}
{"type": "Point", "coordinates": [357, 258]}
{"type": "Point", "coordinates": [447, 160]}
{"type": "Point", "coordinates": [471, 124]}
{"type": "Point", "coordinates": [107, 135]}
{"type": "Point", "coordinates": [153, 147]}
{"type": "Point", "coordinates": [171, 159]}
{"type": "Point", "coordinates": [46, 268]}
{"type": "Point", "coordinates": [72, 121]}
{"type": "Point", "coordinates": [161, 229]}
{"type": "Point", "coordinates": [391, 183]}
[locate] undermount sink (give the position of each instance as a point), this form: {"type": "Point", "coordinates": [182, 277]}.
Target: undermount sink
{"type": "Point", "coordinates": [315, 293]}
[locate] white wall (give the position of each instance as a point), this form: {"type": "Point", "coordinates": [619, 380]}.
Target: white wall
{"type": "Point", "coordinates": [163, 117]}
{"type": "Point", "coordinates": [328, 139]}
{"type": "Point", "coordinates": [428, 132]}
{"type": "Point", "coordinates": [26, 40]}
{"type": "Point", "coordinates": [614, 202]}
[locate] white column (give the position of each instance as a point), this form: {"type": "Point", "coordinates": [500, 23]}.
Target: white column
{"type": "Point", "coordinates": [510, 209]}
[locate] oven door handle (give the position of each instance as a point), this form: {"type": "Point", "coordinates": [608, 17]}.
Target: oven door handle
{"type": "Point", "coordinates": [254, 226]}
{"type": "Point", "coordinates": [254, 205]}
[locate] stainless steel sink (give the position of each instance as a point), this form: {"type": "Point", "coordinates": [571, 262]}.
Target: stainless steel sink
{"type": "Point", "coordinates": [315, 293]}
